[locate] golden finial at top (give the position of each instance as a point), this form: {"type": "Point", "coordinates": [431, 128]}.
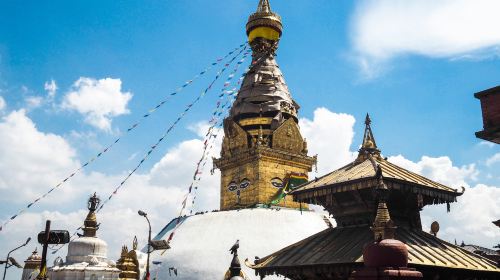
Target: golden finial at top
{"type": "Point", "coordinates": [369, 146]}
{"type": "Point", "coordinates": [264, 6]}
{"type": "Point", "coordinates": [264, 23]}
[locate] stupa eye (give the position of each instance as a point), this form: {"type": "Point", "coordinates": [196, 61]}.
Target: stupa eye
{"type": "Point", "coordinates": [277, 182]}
{"type": "Point", "coordinates": [244, 184]}
{"type": "Point", "coordinates": [232, 186]}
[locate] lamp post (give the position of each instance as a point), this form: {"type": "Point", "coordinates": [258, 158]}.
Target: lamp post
{"type": "Point", "coordinates": [145, 215]}
{"type": "Point", "coordinates": [12, 261]}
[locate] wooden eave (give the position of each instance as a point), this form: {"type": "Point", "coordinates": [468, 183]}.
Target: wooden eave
{"type": "Point", "coordinates": [356, 176]}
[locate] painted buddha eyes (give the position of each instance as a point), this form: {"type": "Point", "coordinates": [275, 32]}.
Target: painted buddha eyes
{"type": "Point", "coordinates": [233, 186]}
{"type": "Point", "coordinates": [277, 183]}
{"type": "Point", "coordinates": [244, 184]}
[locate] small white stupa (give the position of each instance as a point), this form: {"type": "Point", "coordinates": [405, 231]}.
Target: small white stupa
{"type": "Point", "coordinates": [32, 266]}
{"type": "Point", "coordinates": [87, 255]}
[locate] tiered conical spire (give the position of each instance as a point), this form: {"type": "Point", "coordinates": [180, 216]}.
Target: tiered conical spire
{"type": "Point", "coordinates": [369, 146]}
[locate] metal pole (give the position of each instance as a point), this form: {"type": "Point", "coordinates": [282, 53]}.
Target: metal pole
{"type": "Point", "coordinates": [43, 264]}
{"type": "Point", "coordinates": [8, 255]}
{"type": "Point", "coordinates": [149, 248]}
{"type": "Point", "coordinates": [5, 268]}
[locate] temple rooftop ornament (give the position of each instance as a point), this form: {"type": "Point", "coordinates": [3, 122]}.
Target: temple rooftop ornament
{"type": "Point", "coordinates": [131, 263]}
{"type": "Point", "coordinates": [369, 146]}
{"type": "Point", "coordinates": [360, 197]}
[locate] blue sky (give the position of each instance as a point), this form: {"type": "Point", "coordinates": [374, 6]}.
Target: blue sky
{"type": "Point", "coordinates": [418, 86]}
{"type": "Point", "coordinates": [154, 46]}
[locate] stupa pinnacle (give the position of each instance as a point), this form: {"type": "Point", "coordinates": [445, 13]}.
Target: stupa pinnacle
{"type": "Point", "coordinates": [264, 28]}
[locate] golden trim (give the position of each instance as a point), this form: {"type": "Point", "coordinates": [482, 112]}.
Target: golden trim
{"type": "Point", "coordinates": [255, 132]}
{"type": "Point", "coordinates": [255, 121]}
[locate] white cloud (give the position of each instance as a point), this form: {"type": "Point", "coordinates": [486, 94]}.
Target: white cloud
{"type": "Point", "coordinates": [440, 169]}
{"type": "Point", "coordinates": [487, 144]}
{"type": "Point", "coordinates": [50, 88]}
{"type": "Point", "coordinates": [494, 159]}
{"type": "Point", "coordinates": [329, 135]}
{"type": "Point", "coordinates": [471, 216]}
{"type": "Point", "coordinates": [383, 29]}
{"type": "Point", "coordinates": [3, 104]}
{"type": "Point", "coordinates": [32, 161]}
{"type": "Point", "coordinates": [98, 100]}
{"type": "Point", "coordinates": [33, 102]}
{"type": "Point", "coordinates": [29, 158]}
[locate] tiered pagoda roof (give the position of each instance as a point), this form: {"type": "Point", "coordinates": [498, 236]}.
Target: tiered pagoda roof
{"type": "Point", "coordinates": [361, 174]}
{"type": "Point", "coordinates": [349, 194]}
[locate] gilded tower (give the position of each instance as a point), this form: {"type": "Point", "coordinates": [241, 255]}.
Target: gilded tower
{"type": "Point", "coordinates": [262, 142]}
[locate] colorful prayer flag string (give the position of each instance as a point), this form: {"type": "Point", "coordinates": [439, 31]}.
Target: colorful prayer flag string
{"type": "Point", "coordinates": [170, 128]}
{"type": "Point", "coordinates": [196, 178]}
{"type": "Point", "coordinates": [132, 127]}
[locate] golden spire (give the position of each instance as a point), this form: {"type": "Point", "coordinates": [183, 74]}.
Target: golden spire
{"type": "Point", "coordinates": [383, 227]}
{"type": "Point", "coordinates": [369, 146]}
{"type": "Point", "coordinates": [90, 225]}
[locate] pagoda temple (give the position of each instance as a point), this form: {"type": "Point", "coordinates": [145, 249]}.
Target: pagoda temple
{"type": "Point", "coordinates": [348, 195]}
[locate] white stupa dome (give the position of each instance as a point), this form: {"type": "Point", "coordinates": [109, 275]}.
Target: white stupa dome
{"type": "Point", "coordinates": [85, 248]}
{"type": "Point", "coordinates": [200, 247]}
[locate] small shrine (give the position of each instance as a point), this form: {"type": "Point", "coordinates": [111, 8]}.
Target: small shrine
{"type": "Point", "coordinates": [87, 255]}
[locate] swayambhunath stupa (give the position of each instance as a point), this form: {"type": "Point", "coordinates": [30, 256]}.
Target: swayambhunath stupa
{"type": "Point", "coordinates": [363, 216]}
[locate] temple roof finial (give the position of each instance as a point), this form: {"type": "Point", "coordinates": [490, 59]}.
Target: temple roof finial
{"type": "Point", "coordinates": [369, 146]}
{"type": "Point", "coordinates": [368, 121]}
{"type": "Point", "coordinates": [264, 6]}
